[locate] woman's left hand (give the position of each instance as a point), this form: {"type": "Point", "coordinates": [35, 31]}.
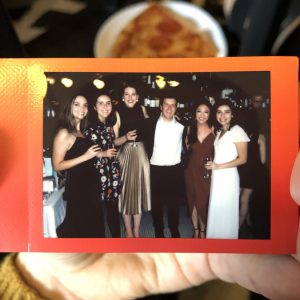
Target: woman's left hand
{"type": "Point", "coordinates": [210, 165]}
{"type": "Point", "coordinates": [131, 135]}
{"type": "Point", "coordinates": [109, 152]}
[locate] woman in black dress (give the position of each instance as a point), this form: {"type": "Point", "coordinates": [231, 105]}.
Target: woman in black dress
{"type": "Point", "coordinates": [74, 153]}
{"type": "Point", "coordinates": [253, 177]}
{"type": "Point", "coordinates": [135, 168]}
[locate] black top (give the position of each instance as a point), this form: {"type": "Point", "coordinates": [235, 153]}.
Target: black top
{"type": "Point", "coordinates": [84, 216]}
{"type": "Point", "coordinates": [132, 119]}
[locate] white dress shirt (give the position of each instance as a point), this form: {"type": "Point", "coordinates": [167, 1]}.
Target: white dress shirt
{"type": "Point", "coordinates": [167, 143]}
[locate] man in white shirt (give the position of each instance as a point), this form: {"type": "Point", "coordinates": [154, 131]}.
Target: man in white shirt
{"type": "Point", "coordinates": [166, 169]}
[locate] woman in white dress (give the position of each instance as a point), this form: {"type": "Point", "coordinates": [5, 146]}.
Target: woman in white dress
{"type": "Point", "coordinates": [230, 151]}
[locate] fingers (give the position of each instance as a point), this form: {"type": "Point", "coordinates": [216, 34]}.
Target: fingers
{"type": "Point", "coordinates": [111, 152]}
{"type": "Point", "coordinates": [256, 273]}
{"type": "Point", "coordinates": [133, 132]}
{"type": "Point", "coordinates": [131, 135]}
{"type": "Point", "coordinates": [92, 151]}
{"type": "Point", "coordinates": [295, 179]}
{"type": "Point", "coordinates": [95, 148]}
{"type": "Point", "coordinates": [209, 165]}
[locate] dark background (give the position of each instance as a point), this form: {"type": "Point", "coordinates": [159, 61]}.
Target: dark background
{"type": "Point", "coordinates": [70, 35]}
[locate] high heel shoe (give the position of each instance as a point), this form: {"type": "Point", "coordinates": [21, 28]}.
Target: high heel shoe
{"type": "Point", "coordinates": [202, 234]}
{"type": "Point", "coordinates": [196, 233]}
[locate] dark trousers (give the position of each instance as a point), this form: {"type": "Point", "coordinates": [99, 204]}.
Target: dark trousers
{"type": "Point", "coordinates": [166, 187]}
{"type": "Point", "coordinates": [113, 218]}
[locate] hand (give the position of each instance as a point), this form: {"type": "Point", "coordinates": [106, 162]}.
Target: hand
{"type": "Point", "coordinates": [210, 165]}
{"type": "Point", "coordinates": [109, 152]}
{"type": "Point", "coordinates": [131, 135]}
{"type": "Point", "coordinates": [92, 152]}
{"type": "Point", "coordinates": [101, 276]}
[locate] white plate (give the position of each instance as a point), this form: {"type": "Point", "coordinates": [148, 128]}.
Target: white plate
{"type": "Point", "coordinates": [110, 29]}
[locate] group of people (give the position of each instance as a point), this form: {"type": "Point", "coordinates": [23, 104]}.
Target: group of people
{"type": "Point", "coordinates": [124, 162]}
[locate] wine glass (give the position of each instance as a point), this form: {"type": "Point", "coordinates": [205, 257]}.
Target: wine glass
{"type": "Point", "coordinates": [114, 159]}
{"type": "Point", "coordinates": [133, 144]}
{"type": "Point", "coordinates": [207, 173]}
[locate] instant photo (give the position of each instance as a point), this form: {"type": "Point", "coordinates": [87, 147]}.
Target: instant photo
{"type": "Point", "coordinates": [93, 160]}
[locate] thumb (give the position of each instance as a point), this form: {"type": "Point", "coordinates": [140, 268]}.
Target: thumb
{"type": "Point", "coordinates": [295, 180]}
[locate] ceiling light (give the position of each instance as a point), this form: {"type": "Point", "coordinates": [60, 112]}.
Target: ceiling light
{"type": "Point", "coordinates": [99, 84]}
{"type": "Point", "coordinates": [173, 83]}
{"type": "Point", "coordinates": [50, 80]}
{"type": "Point", "coordinates": [160, 81]}
{"type": "Point", "coordinates": [67, 82]}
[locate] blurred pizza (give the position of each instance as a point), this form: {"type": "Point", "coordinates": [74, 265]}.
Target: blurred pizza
{"type": "Point", "coordinates": [160, 32]}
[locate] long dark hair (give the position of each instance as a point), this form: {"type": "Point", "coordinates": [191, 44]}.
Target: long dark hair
{"type": "Point", "coordinates": [192, 136]}
{"type": "Point", "coordinates": [111, 119]}
{"type": "Point", "coordinates": [67, 119]}
{"type": "Point", "coordinates": [234, 121]}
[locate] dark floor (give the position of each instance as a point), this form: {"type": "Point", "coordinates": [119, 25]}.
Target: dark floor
{"type": "Point", "coordinates": [185, 227]}
{"type": "Point", "coordinates": [147, 229]}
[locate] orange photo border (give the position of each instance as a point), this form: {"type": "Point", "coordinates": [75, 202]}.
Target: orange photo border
{"type": "Point", "coordinates": [23, 87]}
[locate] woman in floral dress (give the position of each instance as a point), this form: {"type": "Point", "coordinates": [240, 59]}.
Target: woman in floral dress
{"type": "Point", "coordinates": [102, 133]}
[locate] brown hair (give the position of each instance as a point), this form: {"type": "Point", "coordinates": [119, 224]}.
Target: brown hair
{"type": "Point", "coordinates": [67, 119]}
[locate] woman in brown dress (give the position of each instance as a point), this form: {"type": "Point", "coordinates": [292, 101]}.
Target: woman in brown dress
{"type": "Point", "coordinates": [200, 140]}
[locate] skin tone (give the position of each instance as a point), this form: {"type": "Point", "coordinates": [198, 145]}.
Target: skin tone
{"type": "Point", "coordinates": [168, 109]}
{"type": "Point", "coordinates": [202, 116]}
{"type": "Point", "coordinates": [203, 130]}
{"type": "Point", "coordinates": [224, 116]}
{"type": "Point", "coordinates": [85, 276]}
{"type": "Point", "coordinates": [295, 179]}
{"type": "Point", "coordinates": [130, 98]}
{"type": "Point", "coordinates": [64, 140]}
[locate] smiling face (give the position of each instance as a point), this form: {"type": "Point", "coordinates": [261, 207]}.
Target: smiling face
{"type": "Point", "coordinates": [202, 114]}
{"type": "Point", "coordinates": [79, 108]}
{"type": "Point", "coordinates": [130, 96]}
{"type": "Point", "coordinates": [103, 107]}
{"type": "Point", "coordinates": [168, 108]}
{"type": "Point", "coordinates": [224, 116]}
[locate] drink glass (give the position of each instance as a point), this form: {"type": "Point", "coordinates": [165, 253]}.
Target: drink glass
{"type": "Point", "coordinates": [134, 144]}
{"type": "Point", "coordinates": [207, 173]}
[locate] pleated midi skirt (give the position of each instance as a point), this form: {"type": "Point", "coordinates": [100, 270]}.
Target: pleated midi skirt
{"type": "Point", "coordinates": [135, 176]}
